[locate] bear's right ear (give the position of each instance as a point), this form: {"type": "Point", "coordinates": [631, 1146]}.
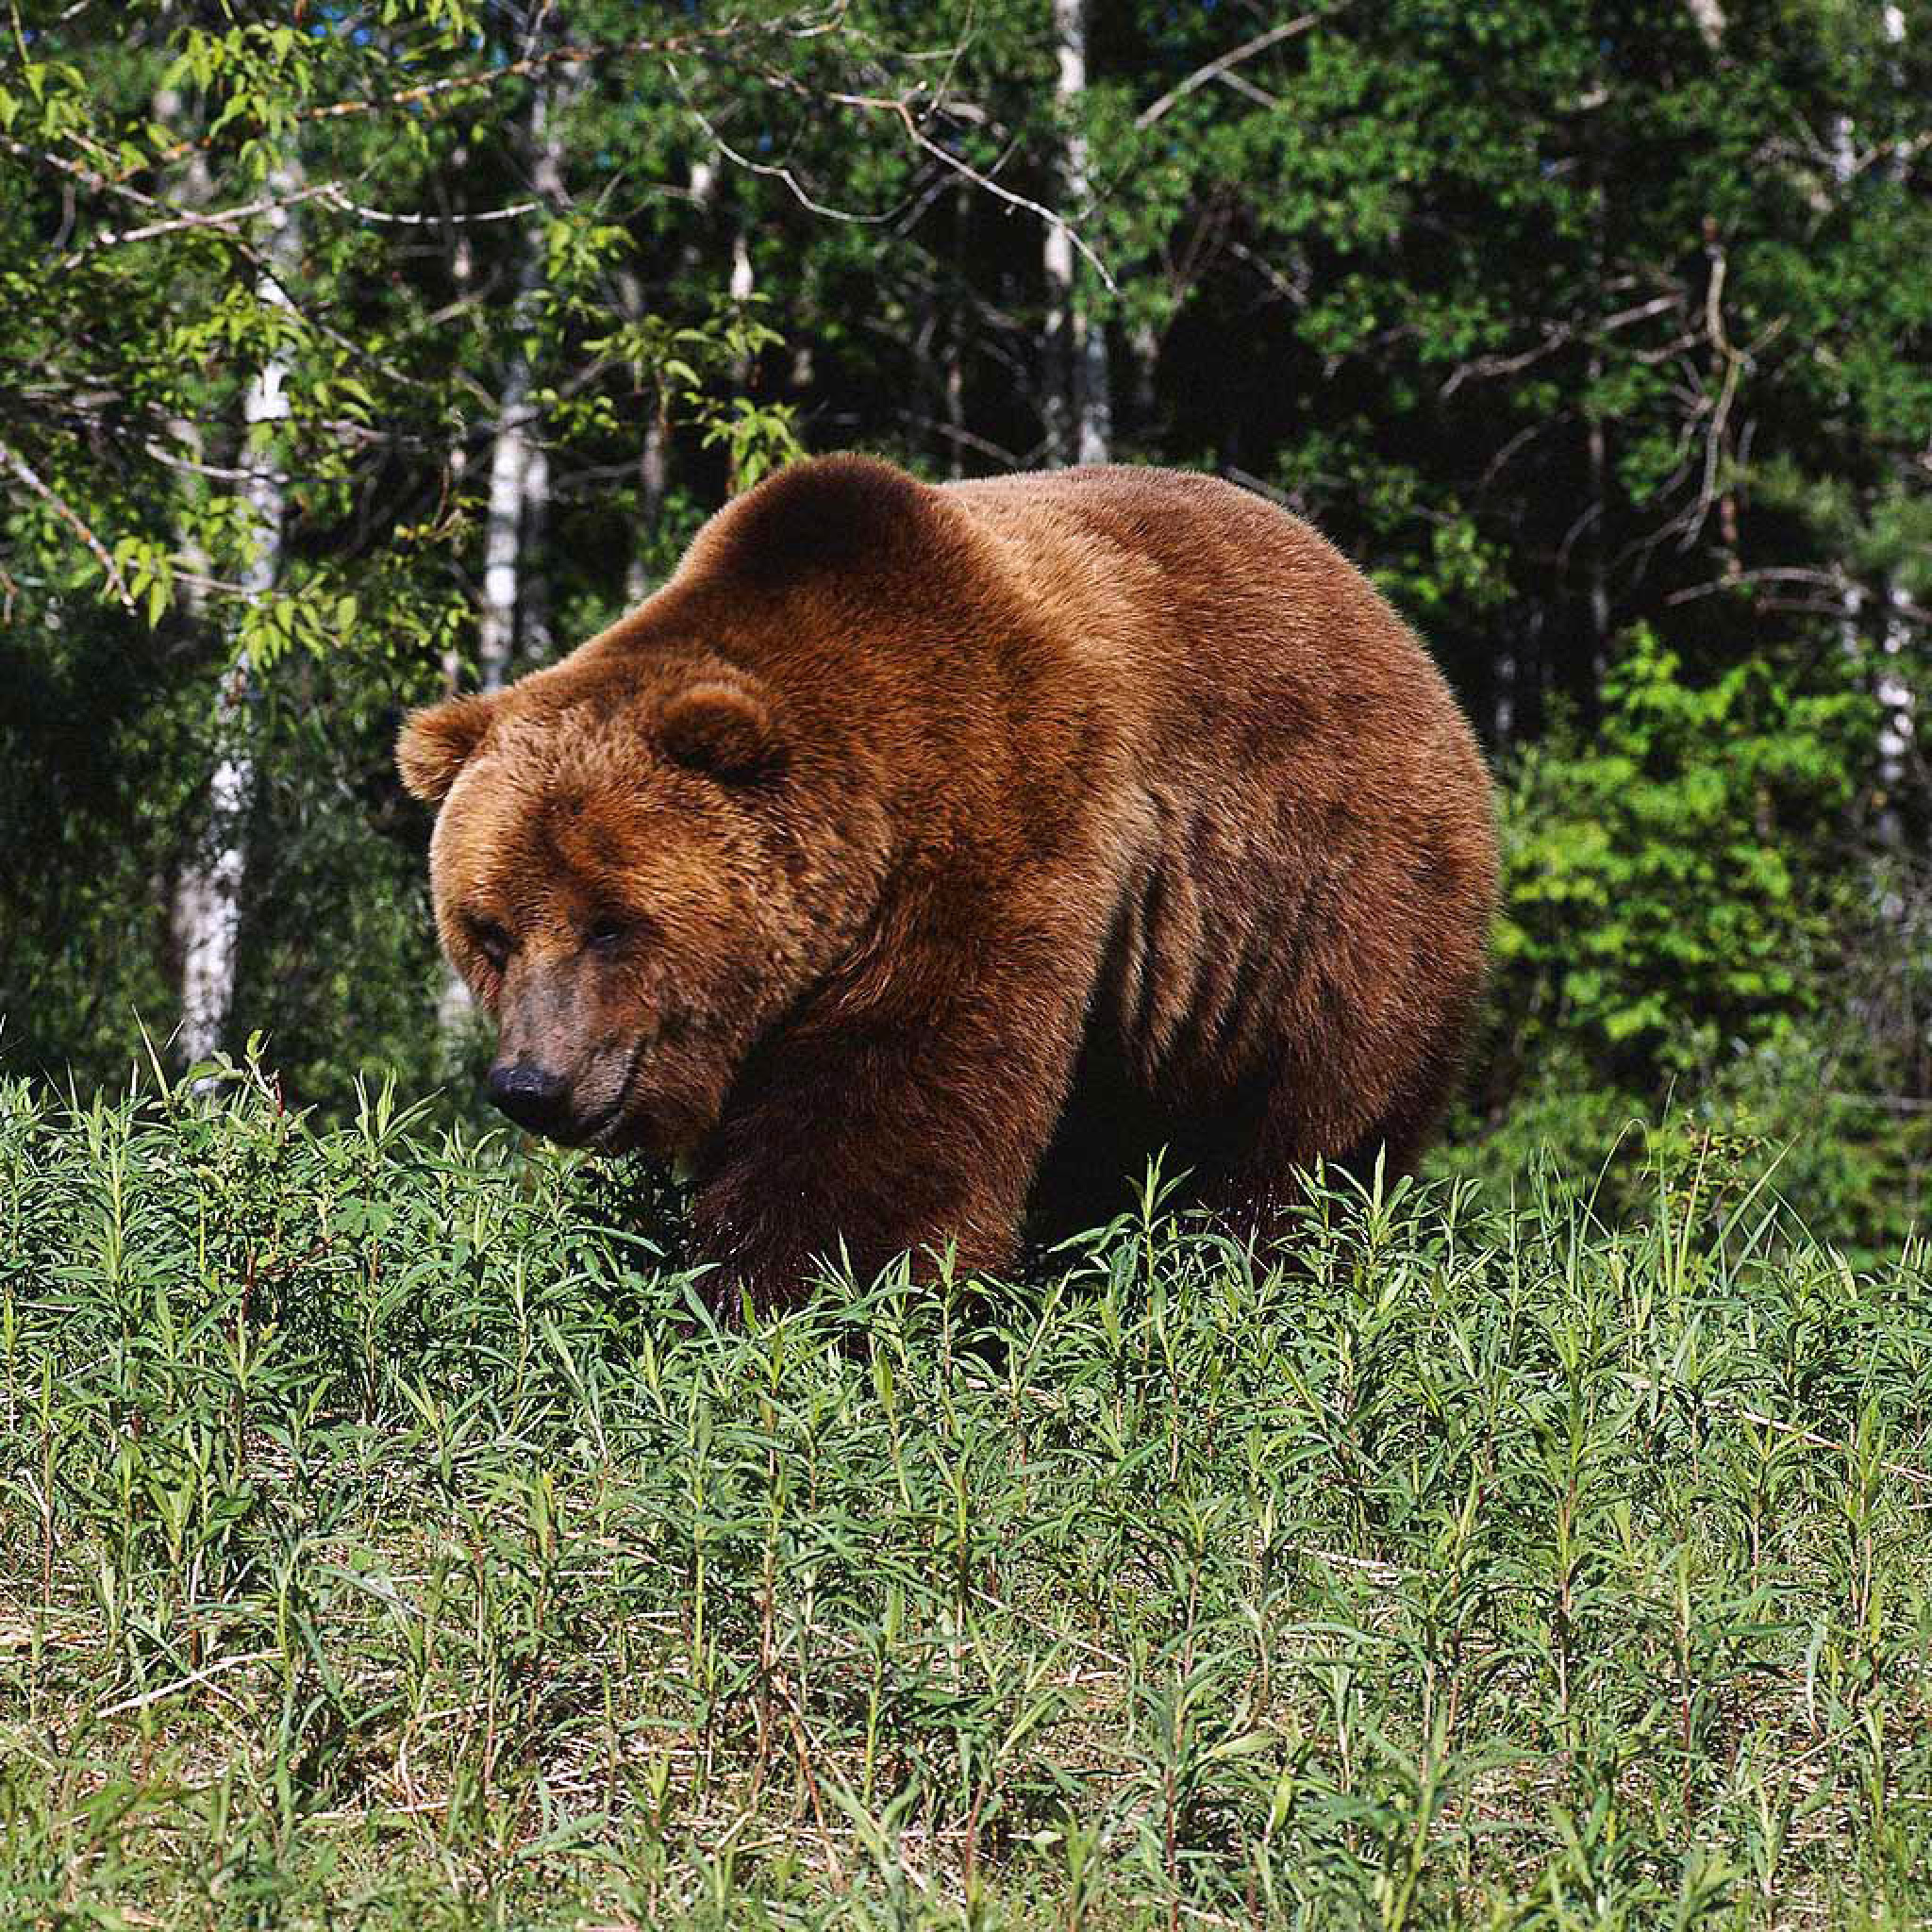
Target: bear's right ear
{"type": "Point", "coordinates": [723, 729]}
{"type": "Point", "coordinates": [437, 743]}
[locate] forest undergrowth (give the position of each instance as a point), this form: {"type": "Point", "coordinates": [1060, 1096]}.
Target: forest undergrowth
{"type": "Point", "coordinates": [389, 1537]}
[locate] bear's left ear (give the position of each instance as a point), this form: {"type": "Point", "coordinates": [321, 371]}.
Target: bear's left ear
{"type": "Point", "coordinates": [437, 743]}
{"type": "Point", "coordinates": [722, 729]}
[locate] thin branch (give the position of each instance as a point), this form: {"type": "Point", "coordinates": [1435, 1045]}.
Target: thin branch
{"type": "Point", "coordinates": [219, 219]}
{"type": "Point", "coordinates": [1902, 1105]}
{"type": "Point", "coordinates": [997, 453]}
{"type": "Point", "coordinates": [337, 197]}
{"type": "Point", "coordinates": [89, 178]}
{"type": "Point", "coordinates": [1241, 84]}
{"type": "Point", "coordinates": [1558, 336]}
{"type": "Point", "coordinates": [773, 171]}
{"type": "Point", "coordinates": [1905, 1472]}
{"type": "Point", "coordinates": [486, 77]}
{"type": "Point", "coordinates": [1217, 68]}
{"type": "Point", "coordinates": [65, 511]}
{"type": "Point", "coordinates": [901, 112]}
{"type": "Point", "coordinates": [1783, 573]}
{"type": "Point", "coordinates": [187, 1683]}
{"type": "Point", "coordinates": [900, 108]}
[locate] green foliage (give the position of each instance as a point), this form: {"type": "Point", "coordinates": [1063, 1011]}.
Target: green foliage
{"type": "Point", "coordinates": [391, 1538]}
{"type": "Point", "coordinates": [1688, 949]}
{"type": "Point", "coordinates": [1662, 901]}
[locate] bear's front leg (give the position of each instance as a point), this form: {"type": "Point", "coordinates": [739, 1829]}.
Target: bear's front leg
{"type": "Point", "coordinates": [916, 1126]}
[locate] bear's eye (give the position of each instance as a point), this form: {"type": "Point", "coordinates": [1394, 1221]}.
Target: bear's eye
{"type": "Point", "coordinates": [493, 941]}
{"type": "Point", "coordinates": [605, 934]}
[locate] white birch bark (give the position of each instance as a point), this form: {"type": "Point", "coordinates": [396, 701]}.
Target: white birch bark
{"type": "Point", "coordinates": [742, 286]}
{"type": "Point", "coordinates": [1144, 357]}
{"type": "Point", "coordinates": [519, 465]}
{"type": "Point", "coordinates": [1893, 690]}
{"type": "Point", "coordinates": [533, 616]}
{"type": "Point", "coordinates": [1898, 698]}
{"type": "Point", "coordinates": [1079, 388]}
{"type": "Point", "coordinates": [511, 450]}
{"type": "Point", "coordinates": [1057, 258]}
{"type": "Point", "coordinates": [207, 912]}
{"type": "Point", "coordinates": [1898, 719]}
{"type": "Point", "coordinates": [462, 275]}
{"type": "Point", "coordinates": [503, 523]}
{"type": "Point", "coordinates": [1707, 16]}
{"type": "Point", "coordinates": [653, 479]}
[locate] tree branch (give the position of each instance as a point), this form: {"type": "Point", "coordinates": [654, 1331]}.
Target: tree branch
{"type": "Point", "coordinates": [68, 515]}
{"type": "Point", "coordinates": [1219, 67]}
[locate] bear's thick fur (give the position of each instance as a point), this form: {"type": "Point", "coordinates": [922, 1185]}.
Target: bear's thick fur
{"type": "Point", "coordinates": [919, 854]}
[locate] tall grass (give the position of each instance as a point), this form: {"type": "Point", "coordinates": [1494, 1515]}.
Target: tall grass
{"type": "Point", "coordinates": [388, 1539]}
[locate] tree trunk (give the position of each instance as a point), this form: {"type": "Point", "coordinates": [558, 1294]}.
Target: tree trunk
{"type": "Point", "coordinates": [1898, 701]}
{"type": "Point", "coordinates": [1078, 391]}
{"type": "Point", "coordinates": [1597, 553]}
{"type": "Point", "coordinates": [1898, 722]}
{"type": "Point", "coordinates": [534, 639]}
{"type": "Point", "coordinates": [207, 912]}
{"type": "Point", "coordinates": [1707, 16]}
{"type": "Point", "coordinates": [953, 372]}
{"type": "Point", "coordinates": [1596, 536]}
{"type": "Point", "coordinates": [1883, 664]}
{"type": "Point", "coordinates": [1145, 359]}
{"type": "Point", "coordinates": [742, 286]}
{"type": "Point", "coordinates": [654, 479]}
{"type": "Point", "coordinates": [503, 526]}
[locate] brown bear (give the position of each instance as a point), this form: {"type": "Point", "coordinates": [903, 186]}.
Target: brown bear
{"type": "Point", "coordinates": [918, 856]}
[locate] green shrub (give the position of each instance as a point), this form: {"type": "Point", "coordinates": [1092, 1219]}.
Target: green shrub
{"type": "Point", "coordinates": [1662, 902]}
{"type": "Point", "coordinates": [1689, 954]}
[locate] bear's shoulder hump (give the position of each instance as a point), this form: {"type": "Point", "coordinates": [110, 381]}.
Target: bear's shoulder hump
{"type": "Point", "coordinates": [838, 514]}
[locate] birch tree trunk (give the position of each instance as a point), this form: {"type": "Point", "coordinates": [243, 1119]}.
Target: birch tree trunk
{"type": "Point", "coordinates": [1707, 16]}
{"type": "Point", "coordinates": [1144, 360]}
{"type": "Point", "coordinates": [1885, 666]}
{"type": "Point", "coordinates": [654, 479]}
{"type": "Point", "coordinates": [519, 499]}
{"type": "Point", "coordinates": [1898, 722]}
{"type": "Point", "coordinates": [953, 397]}
{"type": "Point", "coordinates": [1079, 411]}
{"type": "Point", "coordinates": [742, 286]}
{"type": "Point", "coordinates": [207, 910]}
{"type": "Point", "coordinates": [503, 521]}
{"type": "Point", "coordinates": [1898, 700]}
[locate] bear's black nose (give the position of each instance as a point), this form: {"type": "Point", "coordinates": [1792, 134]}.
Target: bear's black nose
{"type": "Point", "coordinates": [532, 1097]}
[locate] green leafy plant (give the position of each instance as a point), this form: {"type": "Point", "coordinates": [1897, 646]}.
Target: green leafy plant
{"type": "Point", "coordinates": [388, 1533]}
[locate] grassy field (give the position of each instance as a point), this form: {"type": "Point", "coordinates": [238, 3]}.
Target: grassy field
{"type": "Point", "coordinates": [388, 1540]}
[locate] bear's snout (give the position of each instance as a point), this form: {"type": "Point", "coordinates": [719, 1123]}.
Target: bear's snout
{"type": "Point", "coordinates": [535, 1098]}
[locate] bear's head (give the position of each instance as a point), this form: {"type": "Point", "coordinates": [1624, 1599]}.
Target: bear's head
{"type": "Point", "coordinates": [648, 853]}
{"type": "Point", "coordinates": [623, 875]}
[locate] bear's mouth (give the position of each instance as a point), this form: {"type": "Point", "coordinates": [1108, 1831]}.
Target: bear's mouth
{"type": "Point", "coordinates": [598, 1130]}
{"type": "Point", "coordinates": [603, 1127]}
{"type": "Point", "coordinates": [599, 1127]}
{"type": "Point", "coordinates": [631, 1134]}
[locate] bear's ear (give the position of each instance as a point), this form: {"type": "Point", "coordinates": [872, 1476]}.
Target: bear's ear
{"type": "Point", "coordinates": [722, 729]}
{"type": "Point", "coordinates": [826, 517]}
{"type": "Point", "coordinates": [437, 743]}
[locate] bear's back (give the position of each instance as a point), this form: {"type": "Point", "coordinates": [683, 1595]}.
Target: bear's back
{"type": "Point", "coordinates": [1224, 614]}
